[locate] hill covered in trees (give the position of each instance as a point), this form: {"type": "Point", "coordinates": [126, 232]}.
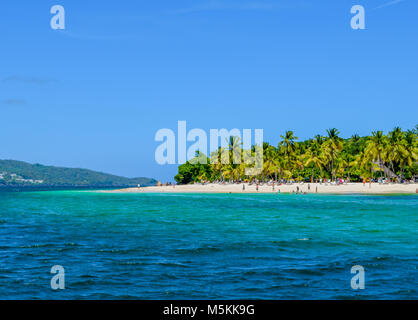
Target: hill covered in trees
{"type": "Point", "coordinates": [392, 156]}
{"type": "Point", "coordinates": [19, 173]}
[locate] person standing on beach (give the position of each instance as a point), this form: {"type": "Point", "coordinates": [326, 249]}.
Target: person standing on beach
{"type": "Point", "coordinates": [243, 187]}
{"type": "Point", "coordinates": [316, 189]}
{"type": "Point", "coordinates": [256, 187]}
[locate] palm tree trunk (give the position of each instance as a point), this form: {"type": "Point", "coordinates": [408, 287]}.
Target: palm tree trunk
{"type": "Point", "coordinates": [391, 161]}
{"type": "Point", "coordinates": [380, 165]}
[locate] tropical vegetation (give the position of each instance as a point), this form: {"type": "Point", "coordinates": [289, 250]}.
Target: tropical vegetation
{"type": "Point", "coordinates": [392, 157]}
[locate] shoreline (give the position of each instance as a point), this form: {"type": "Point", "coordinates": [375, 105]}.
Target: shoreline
{"type": "Point", "coordinates": [351, 188]}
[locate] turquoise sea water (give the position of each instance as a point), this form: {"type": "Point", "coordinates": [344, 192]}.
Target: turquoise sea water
{"type": "Point", "coordinates": [201, 246]}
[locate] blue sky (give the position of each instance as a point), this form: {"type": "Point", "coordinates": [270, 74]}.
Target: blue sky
{"type": "Point", "coordinates": [94, 95]}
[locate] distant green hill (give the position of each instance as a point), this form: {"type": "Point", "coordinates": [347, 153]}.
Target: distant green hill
{"type": "Point", "coordinates": [19, 173]}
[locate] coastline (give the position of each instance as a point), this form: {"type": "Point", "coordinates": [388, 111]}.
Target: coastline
{"type": "Point", "coordinates": [351, 188]}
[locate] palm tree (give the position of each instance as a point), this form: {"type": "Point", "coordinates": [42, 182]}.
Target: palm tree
{"type": "Point", "coordinates": [288, 143]}
{"type": "Point", "coordinates": [234, 145]}
{"type": "Point", "coordinates": [395, 146]}
{"type": "Point", "coordinates": [364, 163]}
{"type": "Point", "coordinates": [270, 165]}
{"type": "Point", "coordinates": [298, 162]}
{"type": "Point", "coordinates": [314, 156]}
{"type": "Point", "coordinates": [319, 139]}
{"type": "Point", "coordinates": [333, 145]}
{"type": "Point", "coordinates": [354, 143]}
{"type": "Point", "coordinates": [376, 146]}
{"type": "Point", "coordinates": [216, 164]}
{"type": "Point", "coordinates": [288, 148]}
{"type": "Point", "coordinates": [409, 156]}
{"type": "Point", "coordinates": [341, 164]}
{"type": "Point", "coordinates": [350, 149]}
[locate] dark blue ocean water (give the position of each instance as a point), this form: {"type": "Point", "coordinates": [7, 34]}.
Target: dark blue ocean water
{"type": "Point", "coordinates": [197, 246]}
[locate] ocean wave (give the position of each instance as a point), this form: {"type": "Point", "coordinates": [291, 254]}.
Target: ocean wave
{"type": "Point", "coordinates": [310, 272]}
{"type": "Point", "coordinates": [131, 263]}
{"type": "Point", "coordinates": [88, 282]}
{"type": "Point", "coordinates": [120, 251]}
{"type": "Point", "coordinates": [32, 246]}
{"type": "Point", "coordinates": [172, 264]}
{"type": "Point", "coordinates": [202, 249]}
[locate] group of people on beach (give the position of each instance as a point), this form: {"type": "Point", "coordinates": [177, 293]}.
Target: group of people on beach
{"type": "Point", "coordinates": [167, 184]}
{"type": "Point", "coordinates": [297, 191]}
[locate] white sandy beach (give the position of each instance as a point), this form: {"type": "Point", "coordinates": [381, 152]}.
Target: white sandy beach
{"type": "Point", "coordinates": [351, 188]}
